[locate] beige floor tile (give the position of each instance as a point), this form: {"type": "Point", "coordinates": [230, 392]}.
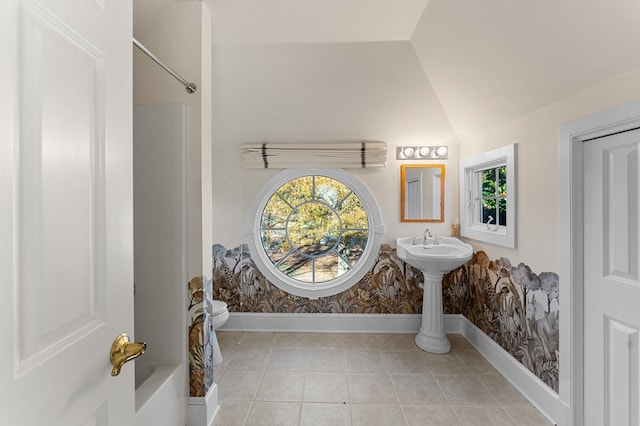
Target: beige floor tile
{"type": "Point", "coordinates": [527, 416]}
{"type": "Point", "coordinates": [274, 414]}
{"type": "Point", "coordinates": [502, 390]}
{"type": "Point", "coordinates": [359, 341]}
{"type": "Point", "coordinates": [430, 415]}
{"type": "Point", "coordinates": [232, 413]}
{"type": "Point", "coordinates": [483, 416]}
{"type": "Point", "coordinates": [238, 385]}
{"type": "Point", "coordinates": [228, 339]}
{"type": "Point", "coordinates": [464, 389]}
{"type": "Point", "coordinates": [476, 362]}
{"type": "Point", "coordinates": [293, 340]}
{"type": "Point", "coordinates": [219, 369]}
{"type": "Point", "coordinates": [365, 360]}
{"type": "Point", "coordinates": [396, 342]}
{"type": "Point", "coordinates": [327, 341]}
{"type": "Point", "coordinates": [284, 386]}
{"type": "Point", "coordinates": [377, 415]}
{"type": "Point", "coordinates": [326, 360]}
{"type": "Point", "coordinates": [333, 379]}
{"type": "Point", "coordinates": [325, 415]}
{"type": "Point", "coordinates": [326, 387]}
{"type": "Point", "coordinates": [257, 341]}
{"type": "Point", "coordinates": [371, 388]}
{"type": "Point", "coordinates": [459, 343]}
{"type": "Point", "coordinates": [417, 389]}
{"type": "Point", "coordinates": [288, 359]}
{"type": "Point", "coordinates": [404, 362]}
{"type": "Point", "coordinates": [249, 359]}
{"type": "Point", "coordinates": [445, 364]}
{"type": "Point", "coordinates": [217, 373]}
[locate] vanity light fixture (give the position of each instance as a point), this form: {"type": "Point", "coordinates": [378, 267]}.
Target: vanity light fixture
{"type": "Point", "coordinates": [439, 152]}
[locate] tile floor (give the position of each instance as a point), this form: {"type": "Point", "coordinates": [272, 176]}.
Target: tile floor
{"type": "Point", "coordinates": [360, 379]}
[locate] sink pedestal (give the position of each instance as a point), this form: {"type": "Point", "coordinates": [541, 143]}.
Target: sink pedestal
{"type": "Point", "coordinates": [431, 337]}
{"type": "Point", "coordinates": [434, 260]}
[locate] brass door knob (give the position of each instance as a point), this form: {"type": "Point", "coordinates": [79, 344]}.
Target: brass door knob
{"type": "Point", "coordinates": [124, 350]}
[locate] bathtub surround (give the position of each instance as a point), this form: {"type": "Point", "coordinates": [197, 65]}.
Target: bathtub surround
{"type": "Point", "coordinates": [515, 307]}
{"type": "Point", "coordinates": [160, 253]}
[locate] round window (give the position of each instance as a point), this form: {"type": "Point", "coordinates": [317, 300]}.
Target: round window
{"type": "Point", "coordinates": [314, 231]}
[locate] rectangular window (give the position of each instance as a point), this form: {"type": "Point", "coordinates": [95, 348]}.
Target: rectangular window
{"type": "Point", "coordinates": [487, 197]}
{"type": "Point", "coordinates": [491, 196]}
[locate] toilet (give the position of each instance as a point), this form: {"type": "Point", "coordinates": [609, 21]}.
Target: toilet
{"type": "Point", "coordinates": [220, 314]}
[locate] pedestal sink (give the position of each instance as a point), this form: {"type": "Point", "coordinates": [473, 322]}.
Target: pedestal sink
{"type": "Point", "coordinates": [434, 257]}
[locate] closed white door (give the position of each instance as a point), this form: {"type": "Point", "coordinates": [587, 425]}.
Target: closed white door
{"type": "Point", "coordinates": [65, 211]}
{"type": "Point", "coordinates": [611, 281]}
{"type": "Point", "coordinates": [414, 199]}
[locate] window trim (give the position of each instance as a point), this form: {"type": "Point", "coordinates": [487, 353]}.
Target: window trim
{"type": "Point", "coordinates": [469, 227]}
{"type": "Point", "coordinates": [327, 288]}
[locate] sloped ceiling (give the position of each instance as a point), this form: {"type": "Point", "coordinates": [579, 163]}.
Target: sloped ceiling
{"type": "Point", "coordinates": [488, 61]}
{"type": "Point", "coordinates": [313, 21]}
{"type": "Point", "coordinates": [493, 61]}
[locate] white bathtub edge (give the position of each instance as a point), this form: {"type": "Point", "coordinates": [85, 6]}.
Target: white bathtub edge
{"type": "Point", "coordinates": [155, 396]}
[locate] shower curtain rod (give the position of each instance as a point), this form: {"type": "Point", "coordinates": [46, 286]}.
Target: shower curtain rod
{"type": "Point", "coordinates": [191, 87]}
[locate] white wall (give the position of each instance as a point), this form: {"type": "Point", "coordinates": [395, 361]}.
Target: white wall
{"type": "Point", "coordinates": [179, 33]}
{"type": "Point", "coordinates": [160, 240]}
{"type": "Point", "coordinates": [538, 167]}
{"type": "Point", "coordinates": [322, 92]}
{"type": "Point", "coordinates": [515, 72]}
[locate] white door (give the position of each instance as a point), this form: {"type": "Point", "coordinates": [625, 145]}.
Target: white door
{"type": "Point", "coordinates": [436, 195]}
{"type": "Point", "coordinates": [65, 211]}
{"type": "Point", "coordinates": [414, 199]}
{"type": "Point", "coordinates": [611, 280]}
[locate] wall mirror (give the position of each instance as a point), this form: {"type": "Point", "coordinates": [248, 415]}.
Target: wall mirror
{"type": "Point", "coordinates": [422, 193]}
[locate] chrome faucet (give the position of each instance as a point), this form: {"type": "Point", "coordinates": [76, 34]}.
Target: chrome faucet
{"type": "Point", "coordinates": [426, 236]}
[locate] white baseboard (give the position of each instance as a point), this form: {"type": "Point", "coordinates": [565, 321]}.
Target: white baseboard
{"type": "Point", "coordinates": [202, 411]}
{"type": "Point", "coordinates": [538, 393]}
{"type": "Point", "coordinates": [535, 390]}
{"type": "Point", "coordinates": [323, 323]}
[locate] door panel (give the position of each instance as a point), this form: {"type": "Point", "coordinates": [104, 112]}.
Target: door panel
{"type": "Point", "coordinates": [59, 216]}
{"type": "Point", "coordinates": [611, 291]}
{"type": "Point", "coordinates": [65, 211]}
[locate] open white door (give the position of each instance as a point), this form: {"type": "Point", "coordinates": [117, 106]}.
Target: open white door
{"type": "Point", "coordinates": [612, 280]}
{"type": "Point", "coordinates": [66, 262]}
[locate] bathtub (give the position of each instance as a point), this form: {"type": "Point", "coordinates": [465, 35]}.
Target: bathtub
{"type": "Point", "coordinates": [160, 399]}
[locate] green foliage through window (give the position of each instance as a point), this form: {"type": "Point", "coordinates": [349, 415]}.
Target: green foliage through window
{"type": "Point", "coordinates": [314, 229]}
{"type": "Point", "coordinates": [493, 197]}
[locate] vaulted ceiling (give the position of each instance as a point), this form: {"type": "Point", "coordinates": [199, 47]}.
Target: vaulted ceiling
{"type": "Point", "coordinates": [488, 61]}
{"type": "Point", "coordinates": [314, 21]}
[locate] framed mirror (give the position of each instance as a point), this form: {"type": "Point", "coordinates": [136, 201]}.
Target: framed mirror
{"type": "Point", "coordinates": [422, 193]}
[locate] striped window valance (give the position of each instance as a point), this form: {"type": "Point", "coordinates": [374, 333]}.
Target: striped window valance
{"type": "Point", "coordinates": [343, 155]}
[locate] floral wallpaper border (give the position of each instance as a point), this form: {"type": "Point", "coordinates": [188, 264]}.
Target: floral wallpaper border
{"type": "Point", "coordinates": [201, 336]}
{"type": "Point", "coordinates": [514, 306]}
{"type": "Point", "coordinates": [390, 287]}
{"type": "Point", "coordinates": [517, 308]}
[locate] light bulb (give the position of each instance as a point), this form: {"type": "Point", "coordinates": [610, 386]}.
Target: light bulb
{"type": "Point", "coordinates": [408, 151]}
{"type": "Point", "coordinates": [441, 151]}
{"type": "Point", "coordinates": [424, 151]}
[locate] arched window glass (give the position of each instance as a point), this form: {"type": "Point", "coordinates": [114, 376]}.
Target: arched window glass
{"type": "Point", "coordinates": [314, 231]}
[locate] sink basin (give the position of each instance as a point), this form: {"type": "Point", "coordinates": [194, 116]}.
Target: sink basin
{"type": "Point", "coordinates": [435, 258]}
{"type": "Point", "coordinates": [445, 256]}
